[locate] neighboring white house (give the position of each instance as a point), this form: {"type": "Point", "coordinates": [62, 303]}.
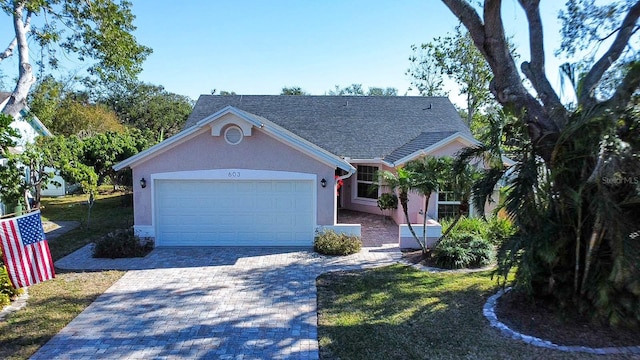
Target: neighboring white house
{"type": "Point", "coordinates": [29, 127]}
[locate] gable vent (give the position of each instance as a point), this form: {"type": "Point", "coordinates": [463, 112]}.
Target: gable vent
{"type": "Point", "coordinates": [233, 135]}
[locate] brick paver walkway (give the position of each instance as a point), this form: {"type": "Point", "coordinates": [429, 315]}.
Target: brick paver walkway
{"type": "Point", "coordinates": [205, 303]}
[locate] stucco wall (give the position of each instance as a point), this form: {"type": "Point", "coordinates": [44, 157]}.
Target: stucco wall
{"type": "Point", "coordinates": [416, 201]}
{"type": "Point", "coordinates": [258, 152]}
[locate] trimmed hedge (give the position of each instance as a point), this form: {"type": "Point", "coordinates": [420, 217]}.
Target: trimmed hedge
{"type": "Point", "coordinates": [122, 243]}
{"type": "Point", "coordinates": [329, 242]}
{"type": "Point", "coordinates": [463, 251]}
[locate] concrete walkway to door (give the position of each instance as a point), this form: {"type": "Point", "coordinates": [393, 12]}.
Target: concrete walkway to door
{"type": "Point", "coordinates": [205, 303]}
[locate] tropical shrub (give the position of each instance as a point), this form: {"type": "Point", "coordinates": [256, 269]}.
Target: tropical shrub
{"type": "Point", "coordinates": [459, 251]}
{"type": "Point", "coordinates": [122, 243]}
{"type": "Point", "coordinates": [7, 291]}
{"type": "Point", "coordinates": [329, 242]}
{"type": "Point", "coordinates": [467, 225]}
{"type": "Point", "coordinates": [499, 229]}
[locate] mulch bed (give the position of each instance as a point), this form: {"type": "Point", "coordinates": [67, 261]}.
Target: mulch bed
{"type": "Point", "coordinates": [544, 320]}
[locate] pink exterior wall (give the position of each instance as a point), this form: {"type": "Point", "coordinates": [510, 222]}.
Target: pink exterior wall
{"type": "Point", "coordinates": [257, 152]}
{"type": "Point", "coordinates": [349, 193]}
{"type": "Point", "coordinates": [416, 201]}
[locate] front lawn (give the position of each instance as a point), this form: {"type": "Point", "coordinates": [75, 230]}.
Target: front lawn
{"type": "Point", "coordinates": [53, 304]}
{"type": "Point", "coordinates": [398, 312]}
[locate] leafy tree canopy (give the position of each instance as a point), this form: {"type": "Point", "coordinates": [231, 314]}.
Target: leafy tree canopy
{"type": "Point", "coordinates": [294, 90]}
{"type": "Point", "coordinates": [574, 192]}
{"type": "Point", "coordinates": [150, 107]}
{"type": "Point", "coordinates": [84, 120]}
{"type": "Point", "coordinates": [358, 90]}
{"type": "Point", "coordinates": [98, 32]}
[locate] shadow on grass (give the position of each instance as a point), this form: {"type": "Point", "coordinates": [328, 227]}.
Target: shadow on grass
{"type": "Point", "coordinates": [400, 313]}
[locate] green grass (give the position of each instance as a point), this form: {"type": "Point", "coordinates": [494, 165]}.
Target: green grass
{"type": "Point", "coordinates": [53, 304]}
{"type": "Point", "coordinates": [398, 312]}
{"type": "Point", "coordinates": [107, 214]}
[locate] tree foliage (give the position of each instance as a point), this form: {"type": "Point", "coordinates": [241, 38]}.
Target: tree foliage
{"type": "Point", "coordinates": [7, 134]}
{"type": "Point", "coordinates": [294, 90]}
{"type": "Point", "coordinates": [96, 32]}
{"type": "Point", "coordinates": [83, 119]}
{"type": "Point", "coordinates": [102, 151]}
{"type": "Point", "coordinates": [423, 176]}
{"type": "Point", "coordinates": [150, 107]}
{"type": "Point", "coordinates": [358, 90]}
{"type": "Point", "coordinates": [455, 57]}
{"type": "Point", "coordinates": [575, 191]}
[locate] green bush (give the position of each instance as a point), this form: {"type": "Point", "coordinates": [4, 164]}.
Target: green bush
{"type": "Point", "coordinates": [331, 243]}
{"type": "Point", "coordinates": [122, 243]}
{"type": "Point", "coordinates": [7, 291]}
{"type": "Point", "coordinates": [463, 251]}
{"type": "Point", "coordinates": [466, 225]}
{"type": "Point", "coordinates": [499, 230]}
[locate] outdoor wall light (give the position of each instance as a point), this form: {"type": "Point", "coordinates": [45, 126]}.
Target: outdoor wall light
{"type": "Point", "coordinates": [143, 183]}
{"type": "Point", "coordinates": [323, 182]}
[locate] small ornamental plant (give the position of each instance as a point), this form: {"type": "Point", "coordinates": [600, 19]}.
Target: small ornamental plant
{"type": "Point", "coordinates": [122, 243]}
{"type": "Point", "coordinates": [7, 291]}
{"type": "Point", "coordinates": [463, 251]}
{"type": "Point", "coordinates": [329, 242]}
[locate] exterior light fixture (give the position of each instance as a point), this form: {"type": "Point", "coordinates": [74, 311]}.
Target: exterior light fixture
{"type": "Point", "coordinates": [143, 183]}
{"type": "Point", "coordinates": [323, 182]}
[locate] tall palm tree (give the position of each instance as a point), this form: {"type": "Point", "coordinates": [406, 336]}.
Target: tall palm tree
{"type": "Point", "coordinates": [423, 176]}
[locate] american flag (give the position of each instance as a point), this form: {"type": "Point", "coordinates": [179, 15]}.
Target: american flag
{"type": "Point", "coordinates": [25, 250]}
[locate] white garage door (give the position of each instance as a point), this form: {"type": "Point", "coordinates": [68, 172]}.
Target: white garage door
{"type": "Point", "coordinates": [234, 213]}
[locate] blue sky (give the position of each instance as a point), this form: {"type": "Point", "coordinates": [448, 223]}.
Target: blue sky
{"type": "Point", "coordinates": [257, 47]}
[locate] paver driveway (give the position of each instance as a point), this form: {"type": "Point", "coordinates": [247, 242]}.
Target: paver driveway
{"type": "Point", "coordinates": [205, 303]}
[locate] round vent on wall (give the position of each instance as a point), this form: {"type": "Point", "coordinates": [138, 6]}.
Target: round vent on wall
{"type": "Point", "coordinates": [233, 135]}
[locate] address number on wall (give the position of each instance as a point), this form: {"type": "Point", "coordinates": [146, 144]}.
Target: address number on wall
{"type": "Point", "coordinates": [234, 174]}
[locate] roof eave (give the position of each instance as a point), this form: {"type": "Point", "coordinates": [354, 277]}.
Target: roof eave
{"type": "Point", "coordinates": [423, 152]}
{"type": "Point", "coordinates": [276, 131]}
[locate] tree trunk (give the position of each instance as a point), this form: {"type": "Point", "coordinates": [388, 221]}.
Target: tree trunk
{"type": "Point", "coordinates": [424, 225]}
{"type": "Point", "coordinates": [404, 200]}
{"type": "Point", "coordinates": [18, 99]}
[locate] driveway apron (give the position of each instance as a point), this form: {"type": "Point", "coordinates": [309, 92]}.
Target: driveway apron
{"type": "Point", "coordinates": [205, 303]}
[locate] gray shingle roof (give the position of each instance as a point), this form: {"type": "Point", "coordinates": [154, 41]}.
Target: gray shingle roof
{"type": "Point", "coordinates": [358, 127]}
{"type": "Point", "coordinates": [422, 141]}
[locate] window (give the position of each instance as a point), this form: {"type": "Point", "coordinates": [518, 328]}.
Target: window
{"type": "Point", "coordinates": [365, 178]}
{"type": "Point", "coordinates": [448, 204]}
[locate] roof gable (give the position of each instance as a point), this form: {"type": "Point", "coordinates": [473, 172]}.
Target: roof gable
{"type": "Point", "coordinates": [357, 127]}
{"type": "Point", "coordinates": [425, 144]}
{"type": "Point", "coordinates": [245, 120]}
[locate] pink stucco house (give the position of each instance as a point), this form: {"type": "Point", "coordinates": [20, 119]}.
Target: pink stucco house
{"type": "Point", "coordinates": [262, 170]}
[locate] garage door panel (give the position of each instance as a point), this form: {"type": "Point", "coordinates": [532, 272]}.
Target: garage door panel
{"type": "Point", "coordinates": [234, 213]}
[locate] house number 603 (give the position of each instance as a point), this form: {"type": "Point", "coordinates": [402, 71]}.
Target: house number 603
{"type": "Point", "coordinates": [234, 174]}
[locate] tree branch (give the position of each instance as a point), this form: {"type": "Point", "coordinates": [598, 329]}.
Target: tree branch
{"type": "Point", "coordinates": [506, 85]}
{"type": "Point", "coordinates": [470, 19]}
{"type": "Point", "coordinates": [587, 96]}
{"type": "Point", "coordinates": [9, 50]}
{"type": "Point", "coordinates": [535, 69]}
{"type": "Point", "coordinates": [628, 86]}
{"type": "Point", "coordinates": [18, 99]}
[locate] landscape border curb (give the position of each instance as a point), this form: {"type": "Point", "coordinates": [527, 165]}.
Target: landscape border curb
{"type": "Point", "coordinates": [489, 312]}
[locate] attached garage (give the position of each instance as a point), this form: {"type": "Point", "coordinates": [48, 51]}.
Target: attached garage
{"type": "Point", "coordinates": [234, 179]}
{"type": "Point", "coordinates": [234, 212]}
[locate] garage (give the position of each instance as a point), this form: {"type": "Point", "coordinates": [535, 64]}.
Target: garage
{"type": "Point", "coordinates": [234, 212]}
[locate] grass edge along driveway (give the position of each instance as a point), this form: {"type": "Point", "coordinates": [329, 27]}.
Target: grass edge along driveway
{"type": "Point", "coordinates": [54, 303]}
